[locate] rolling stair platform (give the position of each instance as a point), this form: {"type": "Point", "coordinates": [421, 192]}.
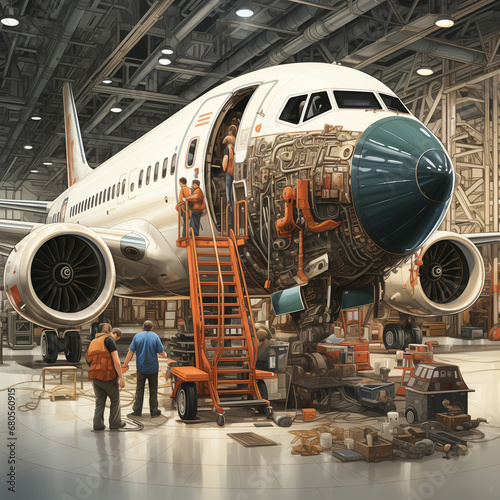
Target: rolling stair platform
{"type": "Point", "coordinates": [225, 344]}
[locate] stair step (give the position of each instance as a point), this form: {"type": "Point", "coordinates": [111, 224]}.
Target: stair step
{"type": "Point", "coordinates": [234, 382]}
{"type": "Point", "coordinates": [216, 316]}
{"type": "Point", "coordinates": [244, 402]}
{"type": "Point", "coordinates": [212, 254]}
{"type": "Point", "coordinates": [215, 283]}
{"type": "Point", "coordinates": [214, 294]}
{"type": "Point", "coordinates": [233, 392]}
{"type": "Point", "coordinates": [235, 370]}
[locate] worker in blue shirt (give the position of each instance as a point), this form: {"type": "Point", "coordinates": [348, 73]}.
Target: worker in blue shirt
{"type": "Point", "coordinates": [147, 347]}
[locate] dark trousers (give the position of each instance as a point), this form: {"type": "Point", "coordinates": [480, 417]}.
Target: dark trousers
{"type": "Point", "coordinates": [195, 222]}
{"type": "Point", "coordinates": [103, 390]}
{"type": "Point", "coordinates": [230, 199]}
{"type": "Point", "coordinates": [183, 222]}
{"type": "Point", "coordinates": [153, 392]}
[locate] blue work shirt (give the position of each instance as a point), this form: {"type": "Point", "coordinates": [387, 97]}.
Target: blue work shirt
{"type": "Point", "coordinates": [146, 345]}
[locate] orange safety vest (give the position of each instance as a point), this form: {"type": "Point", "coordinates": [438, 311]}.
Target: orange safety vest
{"type": "Point", "coordinates": [185, 192]}
{"type": "Point", "coordinates": [230, 161]}
{"type": "Point", "coordinates": [101, 364]}
{"type": "Point", "coordinates": [198, 202]}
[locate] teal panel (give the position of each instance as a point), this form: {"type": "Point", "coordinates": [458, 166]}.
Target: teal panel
{"type": "Point", "coordinates": [402, 182]}
{"type": "Point", "coordinates": [358, 297]}
{"type": "Point", "coordinates": [287, 301]}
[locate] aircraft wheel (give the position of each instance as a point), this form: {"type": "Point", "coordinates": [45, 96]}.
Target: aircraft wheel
{"type": "Point", "coordinates": [72, 347]}
{"type": "Point", "coordinates": [221, 420]}
{"type": "Point", "coordinates": [269, 412]}
{"type": "Point", "coordinates": [411, 415]}
{"type": "Point", "coordinates": [412, 334]}
{"type": "Point", "coordinates": [187, 401]}
{"type": "Point", "coordinates": [393, 336]}
{"type": "Point", "coordinates": [50, 346]}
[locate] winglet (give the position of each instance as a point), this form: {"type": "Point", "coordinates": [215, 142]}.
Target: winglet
{"type": "Point", "coordinates": [75, 155]}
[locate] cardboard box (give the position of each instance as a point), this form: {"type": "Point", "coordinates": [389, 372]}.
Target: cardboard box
{"type": "Point", "coordinates": [452, 421]}
{"type": "Point", "coordinates": [375, 453]}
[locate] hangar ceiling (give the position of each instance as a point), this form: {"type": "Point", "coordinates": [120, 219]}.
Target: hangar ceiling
{"type": "Point", "coordinates": [85, 41]}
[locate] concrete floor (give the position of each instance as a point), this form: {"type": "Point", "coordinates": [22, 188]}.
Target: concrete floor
{"type": "Point", "coordinates": [58, 457]}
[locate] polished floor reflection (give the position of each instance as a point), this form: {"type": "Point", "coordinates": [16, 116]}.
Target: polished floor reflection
{"type": "Point", "coordinates": [57, 455]}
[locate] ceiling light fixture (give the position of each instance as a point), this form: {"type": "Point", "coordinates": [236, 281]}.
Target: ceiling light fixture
{"type": "Point", "coordinates": [47, 163]}
{"type": "Point", "coordinates": [28, 146]}
{"type": "Point", "coordinates": [107, 81]}
{"type": "Point", "coordinates": [36, 118]}
{"type": "Point", "coordinates": [116, 109]}
{"type": "Point", "coordinates": [167, 50]}
{"type": "Point", "coordinates": [424, 69]}
{"type": "Point", "coordinates": [164, 60]}
{"type": "Point", "coordinates": [34, 171]}
{"type": "Point", "coordinates": [244, 11]}
{"type": "Point", "coordinates": [9, 17]}
{"type": "Point", "coordinates": [444, 21]}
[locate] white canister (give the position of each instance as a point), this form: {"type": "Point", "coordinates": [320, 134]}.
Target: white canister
{"type": "Point", "coordinates": [325, 440]}
{"type": "Point", "coordinates": [349, 443]}
{"type": "Point", "coordinates": [385, 430]}
{"type": "Point", "coordinates": [377, 368]}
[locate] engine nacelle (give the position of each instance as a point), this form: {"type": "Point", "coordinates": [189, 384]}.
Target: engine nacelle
{"type": "Point", "coordinates": [60, 275]}
{"type": "Point", "coordinates": [449, 281]}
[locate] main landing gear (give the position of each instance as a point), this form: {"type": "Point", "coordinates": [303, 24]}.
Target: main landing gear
{"type": "Point", "coordinates": [69, 343]}
{"type": "Point", "coordinates": [397, 337]}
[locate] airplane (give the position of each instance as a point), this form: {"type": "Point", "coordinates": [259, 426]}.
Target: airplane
{"type": "Point", "coordinates": [345, 189]}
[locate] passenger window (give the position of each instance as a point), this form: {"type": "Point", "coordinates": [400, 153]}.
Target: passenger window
{"type": "Point", "coordinates": [191, 154]}
{"type": "Point", "coordinates": [172, 165]}
{"type": "Point", "coordinates": [293, 109]}
{"type": "Point", "coordinates": [393, 103]}
{"type": "Point", "coordinates": [113, 192]}
{"type": "Point", "coordinates": [118, 189]}
{"type": "Point", "coordinates": [319, 103]}
{"type": "Point", "coordinates": [148, 175]}
{"type": "Point", "coordinates": [157, 167]}
{"type": "Point", "coordinates": [109, 193]}
{"type": "Point", "coordinates": [100, 197]}
{"type": "Point", "coordinates": [132, 186]}
{"type": "Point", "coordinates": [123, 186]}
{"type": "Point", "coordinates": [164, 170]}
{"type": "Point", "coordinates": [141, 175]}
{"type": "Point", "coordinates": [356, 100]}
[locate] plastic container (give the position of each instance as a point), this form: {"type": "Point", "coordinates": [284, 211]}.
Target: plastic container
{"type": "Point", "coordinates": [325, 440]}
{"type": "Point", "coordinates": [349, 443]}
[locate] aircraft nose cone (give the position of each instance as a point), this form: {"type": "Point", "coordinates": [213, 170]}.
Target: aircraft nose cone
{"type": "Point", "coordinates": [402, 181]}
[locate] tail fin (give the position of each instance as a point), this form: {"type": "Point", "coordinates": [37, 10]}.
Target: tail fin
{"type": "Point", "coordinates": [75, 155]}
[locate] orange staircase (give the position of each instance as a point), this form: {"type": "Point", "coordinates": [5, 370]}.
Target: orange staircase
{"type": "Point", "coordinates": [224, 333]}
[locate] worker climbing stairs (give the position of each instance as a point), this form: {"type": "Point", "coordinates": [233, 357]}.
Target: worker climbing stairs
{"type": "Point", "coordinates": [224, 332]}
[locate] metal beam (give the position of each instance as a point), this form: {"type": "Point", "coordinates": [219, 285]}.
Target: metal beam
{"type": "Point", "coordinates": [142, 95]}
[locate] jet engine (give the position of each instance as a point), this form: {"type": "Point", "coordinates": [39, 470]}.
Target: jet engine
{"type": "Point", "coordinates": [60, 275]}
{"type": "Point", "coordinates": [445, 277]}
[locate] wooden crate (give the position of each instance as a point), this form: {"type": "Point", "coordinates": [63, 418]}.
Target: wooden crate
{"type": "Point", "coordinates": [452, 421]}
{"type": "Point", "coordinates": [434, 329]}
{"type": "Point", "coordinates": [376, 453]}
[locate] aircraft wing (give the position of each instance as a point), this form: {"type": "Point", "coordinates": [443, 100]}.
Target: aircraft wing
{"type": "Point", "coordinates": [12, 232]}
{"type": "Point", "coordinates": [39, 207]}
{"type": "Point", "coordinates": [480, 239]}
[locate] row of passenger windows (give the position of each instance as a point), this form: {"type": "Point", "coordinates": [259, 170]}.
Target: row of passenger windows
{"type": "Point", "coordinates": [146, 176]}
{"type": "Point", "coordinates": [302, 108]}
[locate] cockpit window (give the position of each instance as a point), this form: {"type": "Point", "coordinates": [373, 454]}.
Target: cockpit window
{"type": "Point", "coordinates": [319, 103]}
{"type": "Point", "coordinates": [356, 100]}
{"type": "Point", "coordinates": [393, 103]}
{"type": "Point", "coordinates": [293, 109]}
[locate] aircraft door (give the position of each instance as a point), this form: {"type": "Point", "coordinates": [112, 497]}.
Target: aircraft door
{"type": "Point", "coordinates": [192, 153]}
{"type": "Point", "coordinates": [249, 120]}
{"type": "Point", "coordinates": [122, 188]}
{"type": "Point", "coordinates": [132, 184]}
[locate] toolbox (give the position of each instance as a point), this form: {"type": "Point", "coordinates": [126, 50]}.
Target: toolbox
{"type": "Point", "coordinates": [472, 332]}
{"type": "Point", "coordinates": [434, 329]}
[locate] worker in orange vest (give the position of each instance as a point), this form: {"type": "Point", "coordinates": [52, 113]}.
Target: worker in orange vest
{"type": "Point", "coordinates": [106, 374]}
{"type": "Point", "coordinates": [228, 167]}
{"type": "Point", "coordinates": [183, 194]}
{"type": "Point", "coordinates": [197, 205]}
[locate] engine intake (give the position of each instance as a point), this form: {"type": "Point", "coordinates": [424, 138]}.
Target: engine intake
{"type": "Point", "coordinates": [450, 278]}
{"type": "Point", "coordinates": [60, 275]}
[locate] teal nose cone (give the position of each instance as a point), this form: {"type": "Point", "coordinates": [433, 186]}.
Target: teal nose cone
{"type": "Point", "coordinates": [402, 181]}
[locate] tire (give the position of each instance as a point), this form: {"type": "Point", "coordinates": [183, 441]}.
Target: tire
{"type": "Point", "coordinates": [50, 346]}
{"type": "Point", "coordinates": [413, 334]}
{"type": "Point", "coordinates": [187, 401]}
{"type": "Point", "coordinates": [411, 415]}
{"type": "Point", "coordinates": [394, 336]}
{"type": "Point", "coordinates": [263, 394]}
{"type": "Point", "coordinates": [72, 347]}
{"type": "Point", "coordinates": [221, 420]}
